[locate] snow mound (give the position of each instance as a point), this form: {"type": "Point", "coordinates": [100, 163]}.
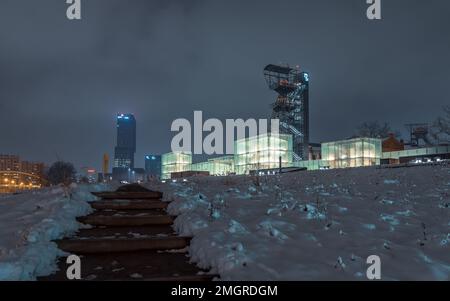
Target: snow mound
{"type": "Point", "coordinates": [30, 221]}
{"type": "Point", "coordinates": [317, 225]}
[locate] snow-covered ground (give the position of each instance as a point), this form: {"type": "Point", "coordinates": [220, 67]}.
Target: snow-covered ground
{"type": "Point", "coordinates": [29, 221]}
{"type": "Point", "coordinates": [318, 225]}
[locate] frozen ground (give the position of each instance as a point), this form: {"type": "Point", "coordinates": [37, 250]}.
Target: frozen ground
{"type": "Point", "coordinates": [31, 220]}
{"type": "Point", "coordinates": [319, 225]}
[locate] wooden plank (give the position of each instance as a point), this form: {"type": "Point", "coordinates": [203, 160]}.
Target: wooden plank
{"type": "Point", "coordinates": [109, 195]}
{"type": "Point", "coordinates": [126, 232]}
{"type": "Point", "coordinates": [117, 221]}
{"type": "Point", "coordinates": [92, 246]}
{"type": "Point", "coordinates": [129, 205]}
{"type": "Point", "coordinates": [193, 278]}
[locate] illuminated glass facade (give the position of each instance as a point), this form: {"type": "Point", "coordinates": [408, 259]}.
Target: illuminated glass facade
{"type": "Point", "coordinates": [262, 152]}
{"type": "Point", "coordinates": [175, 162]}
{"type": "Point", "coordinates": [352, 153]}
{"type": "Point", "coordinates": [221, 166]}
{"type": "Point", "coordinates": [311, 164]}
{"type": "Point", "coordinates": [442, 151]}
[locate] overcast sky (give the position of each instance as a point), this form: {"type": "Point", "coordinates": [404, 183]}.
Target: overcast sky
{"type": "Point", "coordinates": [62, 82]}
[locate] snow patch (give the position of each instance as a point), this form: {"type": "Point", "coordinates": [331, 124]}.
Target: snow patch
{"type": "Point", "coordinates": [30, 221]}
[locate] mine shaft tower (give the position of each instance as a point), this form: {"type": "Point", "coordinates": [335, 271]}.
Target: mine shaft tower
{"type": "Point", "coordinates": [292, 105]}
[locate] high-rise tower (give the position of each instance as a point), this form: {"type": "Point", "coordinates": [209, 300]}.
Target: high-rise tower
{"type": "Point", "coordinates": [126, 141]}
{"type": "Point", "coordinates": [292, 105]}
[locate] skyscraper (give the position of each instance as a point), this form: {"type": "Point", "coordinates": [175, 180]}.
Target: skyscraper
{"type": "Point", "coordinates": [126, 141]}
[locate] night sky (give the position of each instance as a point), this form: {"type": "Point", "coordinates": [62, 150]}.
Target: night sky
{"type": "Point", "coordinates": [62, 82]}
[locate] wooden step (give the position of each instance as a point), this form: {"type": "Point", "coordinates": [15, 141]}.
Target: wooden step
{"type": "Point", "coordinates": [128, 205]}
{"type": "Point", "coordinates": [125, 195]}
{"type": "Point", "coordinates": [136, 213]}
{"type": "Point", "coordinates": [118, 221]}
{"type": "Point", "coordinates": [192, 278]}
{"type": "Point", "coordinates": [92, 246]}
{"type": "Point", "coordinates": [126, 232]}
{"type": "Point", "coordinates": [149, 265]}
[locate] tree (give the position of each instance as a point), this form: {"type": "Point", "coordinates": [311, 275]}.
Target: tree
{"type": "Point", "coordinates": [61, 173]}
{"type": "Point", "coordinates": [374, 129]}
{"type": "Point", "coordinates": [441, 127]}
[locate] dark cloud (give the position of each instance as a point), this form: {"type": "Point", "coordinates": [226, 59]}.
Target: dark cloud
{"type": "Point", "coordinates": [61, 82]}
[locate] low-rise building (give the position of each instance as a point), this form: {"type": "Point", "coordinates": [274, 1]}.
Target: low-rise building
{"type": "Point", "coordinates": [153, 166]}
{"type": "Point", "coordinates": [266, 151]}
{"type": "Point", "coordinates": [221, 166]}
{"type": "Point", "coordinates": [19, 175]}
{"type": "Point", "coordinates": [175, 162]}
{"type": "Point", "coordinates": [417, 155]}
{"type": "Point", "coordinates": [356, 152]}
{"type": "Point", "coordinates": [9, 162]}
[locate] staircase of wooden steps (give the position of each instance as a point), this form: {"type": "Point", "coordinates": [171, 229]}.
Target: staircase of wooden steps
{"type": "Point", "coordinates": [130, 237]}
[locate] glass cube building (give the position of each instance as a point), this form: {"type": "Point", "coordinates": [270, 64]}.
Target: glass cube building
{"type": "Point", "coordinates": [356, 152]}
{"type": "Point", "coordinates": [221, 166]}
{"type": "Point", "coordinates": [262, 152]}
{"type": "Point", "coordinates": [175, 162]}
{"type": "Point", "coordinates": [311, 164]}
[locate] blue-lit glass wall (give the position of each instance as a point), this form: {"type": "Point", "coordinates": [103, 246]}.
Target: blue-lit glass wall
{"type": "Point", "coordinates": [153, 165]}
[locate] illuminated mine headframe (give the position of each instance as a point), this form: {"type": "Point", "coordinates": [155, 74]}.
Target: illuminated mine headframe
{"type": "Point", "coordinates": [292, 105]}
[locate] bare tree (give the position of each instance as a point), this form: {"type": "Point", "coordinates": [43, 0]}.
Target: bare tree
{"type": "Point", "coordinates": [375, 129]}
{"type": "Point", "coordinates": [61, 173]}
{"type": "Point", "coordinates": [441, 127]}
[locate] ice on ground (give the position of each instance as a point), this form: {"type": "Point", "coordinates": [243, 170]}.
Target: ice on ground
{"type": "Point", "coordinates": [318, 225]}
{"type": "Point", "coordinates": [30, 221]}
{"type": "Point", "coordinates": [236, 228]}
{"type": "Point", "coordinates": [391, 182]}
{"type": "Point", "coordinates": [370, 226]}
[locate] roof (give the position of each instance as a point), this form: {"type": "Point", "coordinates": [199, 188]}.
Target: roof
{"type": "Point", "coordinates": [278, 69]}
